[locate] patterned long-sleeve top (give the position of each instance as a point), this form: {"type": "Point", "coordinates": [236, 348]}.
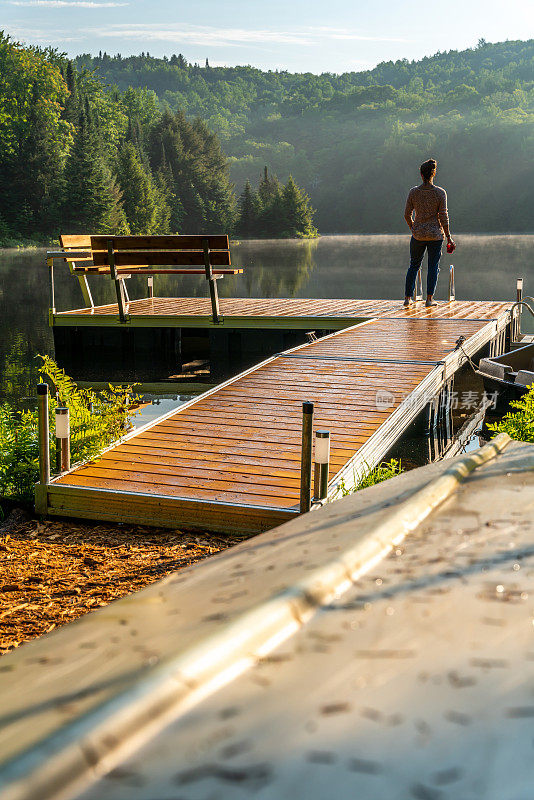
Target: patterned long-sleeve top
{"type": "Point", "coordinates": [427, 206]}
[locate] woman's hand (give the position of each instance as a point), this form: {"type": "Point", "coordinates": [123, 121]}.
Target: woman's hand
{"type": "Point", "coordinates": [451, 247]}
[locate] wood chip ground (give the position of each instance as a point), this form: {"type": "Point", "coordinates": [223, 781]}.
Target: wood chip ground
{"type": "Point", "coordinates": [54, 571]}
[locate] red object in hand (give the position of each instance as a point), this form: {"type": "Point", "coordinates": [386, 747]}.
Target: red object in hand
{"type": "Point", "coordinates": [451, 247]}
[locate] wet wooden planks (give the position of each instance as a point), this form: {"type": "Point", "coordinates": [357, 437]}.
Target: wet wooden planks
{"type": "Point", "coordinates": [246, 307]}
{"type": "Point", "coordinates": [270, 312]}
{"type": "Point", "coordinates": [230, 459]}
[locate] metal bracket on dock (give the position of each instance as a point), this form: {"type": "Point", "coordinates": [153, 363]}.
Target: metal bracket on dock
{"type": "Point", "coordinates": [418, 287]}
{"type": "Point", "coordinates": [520, 304]}
{"type": "Point", "coordinates": [451, 284]}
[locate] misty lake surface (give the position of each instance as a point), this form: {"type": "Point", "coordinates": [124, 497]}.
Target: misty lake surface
{"type": "Point", "coordinates": [486, 268]}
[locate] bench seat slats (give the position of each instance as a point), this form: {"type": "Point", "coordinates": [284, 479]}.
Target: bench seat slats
{"type": "Point", "coordinates": [176, 242]}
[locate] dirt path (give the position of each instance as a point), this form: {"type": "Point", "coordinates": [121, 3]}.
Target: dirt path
{"type": "Point", "coordinates": [53, 572]}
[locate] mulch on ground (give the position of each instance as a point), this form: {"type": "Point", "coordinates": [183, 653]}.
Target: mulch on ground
{"type": "Point", "coordinates": [52, 572]}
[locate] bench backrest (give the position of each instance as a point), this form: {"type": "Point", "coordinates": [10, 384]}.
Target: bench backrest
{"type": "Point", "coordinates": [138, 252]}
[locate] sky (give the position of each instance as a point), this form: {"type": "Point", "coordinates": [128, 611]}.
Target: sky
{"type": "Point", "coordinates": [294, 35]}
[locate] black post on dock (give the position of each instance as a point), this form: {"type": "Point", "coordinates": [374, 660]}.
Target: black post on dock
{"type": "Point", "coordinates": [306, 457]}
{"type": "Point", "coordinates": [43, 433]}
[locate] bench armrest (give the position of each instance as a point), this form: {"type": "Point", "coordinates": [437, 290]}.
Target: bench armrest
{"type": "Point", "coordinates": [69, 255]}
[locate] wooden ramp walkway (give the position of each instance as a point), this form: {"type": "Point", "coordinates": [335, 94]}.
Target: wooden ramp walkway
{"type": "Point", "coordinates": [230, 459]}
{"type": "Point", "coordinates": [187, 312]}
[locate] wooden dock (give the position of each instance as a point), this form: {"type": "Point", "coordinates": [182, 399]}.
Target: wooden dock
{"type": "Point", "coordinates": [230, 459]}
{"type": "Point", "coordinates": [159, 336]}
{"type": "Point", "coordinates": [276, 313]}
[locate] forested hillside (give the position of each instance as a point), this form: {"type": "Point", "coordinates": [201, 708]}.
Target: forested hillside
{"type": "Point", "coordinates": [354, 141]}
{"type": "Point", "coordinates": [76, 157]}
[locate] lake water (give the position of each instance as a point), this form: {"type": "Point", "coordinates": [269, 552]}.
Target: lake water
{"type": "Point", "coordinates": [486, 268]}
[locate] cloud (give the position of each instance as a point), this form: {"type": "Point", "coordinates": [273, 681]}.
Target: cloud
{"type": "Point", "coordinates": [64, 4]}
{"type": "Point", "coordinates": [230, 37]}
{"type": "Point", "coordinates": [44, 37]}
{"type": "Point", "coordinates": [342, 33]}
{"type": "Point", "coordinates": [204, 35]}
{"type": "Point", "coordinates": [209, 38]}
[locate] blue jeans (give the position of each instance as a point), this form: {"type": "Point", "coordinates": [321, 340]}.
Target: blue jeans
{"type": "Point", "coordinates": [417, 251]}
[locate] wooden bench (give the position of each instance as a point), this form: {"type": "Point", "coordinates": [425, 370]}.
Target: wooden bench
{"type": "Point", "coordinates": [120, 257]}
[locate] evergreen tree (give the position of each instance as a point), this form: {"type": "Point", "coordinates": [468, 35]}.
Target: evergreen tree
{"type": "Point", "coordinates": [166, 156]}
{"type": "Point", "coordinates": [93, 200]}
{"type": "Point", "coordinates": [249, 213]}
{"type": "Point", "coordinates": [269, 188]}
{"type": "Point", "coordinates": [164, 199]}
{"type": "Point", "coordinates": [213, 180]}
{"type": "Point", "coordinates": [71, 110]}
{"type": "Point", "coordinates": [144, 204]}
{"type": "Point", "coordinates": [190, 157]}
{"type": "Point", "coordinates": [33, 175]}
{"type": "Point", "coordinates": [284, 212]}
{"type": "Point", "coordinates": [272, 215]}
{"type": "Point", "coordinates": [297, 213]}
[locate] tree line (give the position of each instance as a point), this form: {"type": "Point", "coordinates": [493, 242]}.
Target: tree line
{"type": "Point", "coordinates": [79, 156]}
{"type": "Point", "coordinates": [345, 137]}
{"type": "Point", "coordinates": [274, 210]}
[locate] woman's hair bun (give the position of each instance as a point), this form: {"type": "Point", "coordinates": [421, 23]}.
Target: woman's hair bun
{"type": "Point", "coordinates": [428, 168]}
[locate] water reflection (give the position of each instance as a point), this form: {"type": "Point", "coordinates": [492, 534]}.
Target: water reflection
{"type": "Point", "coordinates": [333, 266]}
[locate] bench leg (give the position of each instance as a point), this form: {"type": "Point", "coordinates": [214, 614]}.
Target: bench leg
{"type": "Point", "coordinates": [121, 300]}
{"type": "Point", "coordinates": [86, 291]}
{"type": "Point", "coordinates": [84, 285]}
{"type": "Point", "coordinates": [119, 284]}
{"type": "Point", "coordinates": [214, 295]}
{"type": "Point", "coordinates": [125, 291]}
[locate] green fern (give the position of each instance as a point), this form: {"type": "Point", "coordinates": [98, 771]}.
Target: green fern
{"type": "Point", "coordinates": [97, 419]}
{"type": "Point", "coordinates": [518, 425]}
{"type": "Point", "coordinates": [370, 477]}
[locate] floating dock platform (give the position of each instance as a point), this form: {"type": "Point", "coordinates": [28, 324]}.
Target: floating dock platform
{"type": "Point", "coordinates": [229, 460]}
{"type": "Point", "coordinates": [272, 313]}
{"type": "Point", "coordinates": [162, 334]}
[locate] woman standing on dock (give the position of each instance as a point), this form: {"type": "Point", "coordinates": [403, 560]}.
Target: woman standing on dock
{"type": "Point", "coordinates": [427, 217]}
